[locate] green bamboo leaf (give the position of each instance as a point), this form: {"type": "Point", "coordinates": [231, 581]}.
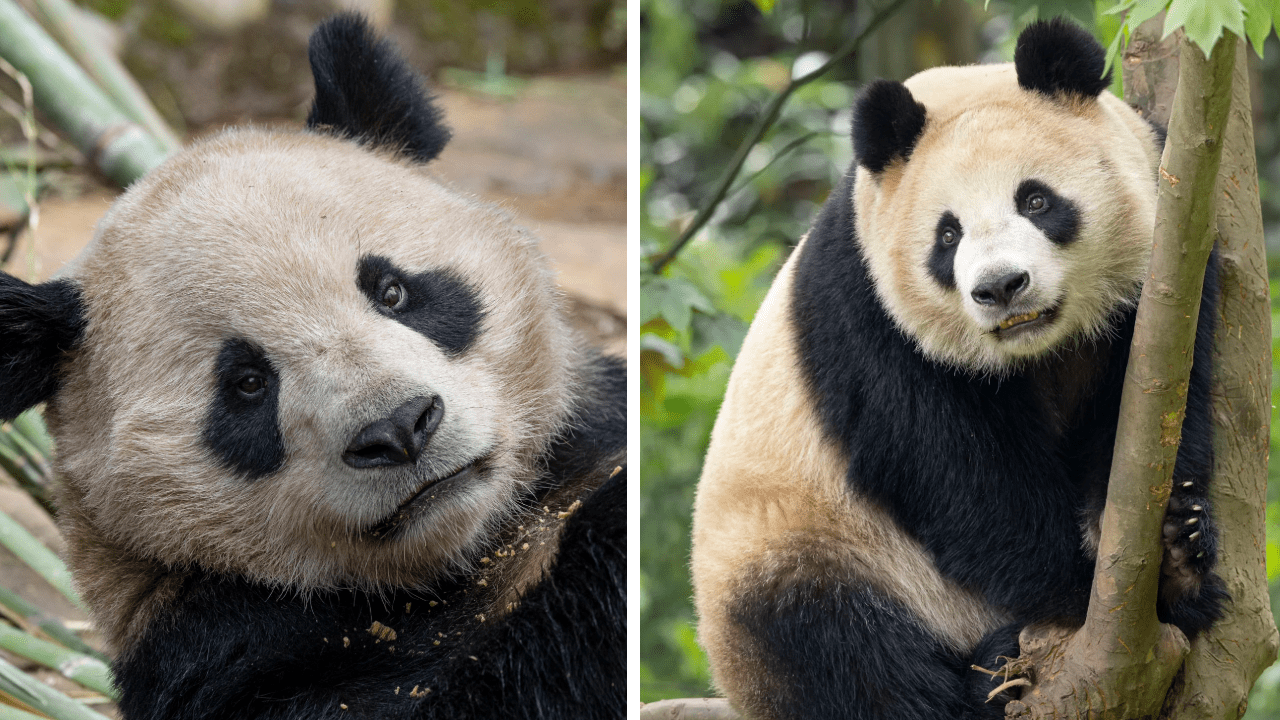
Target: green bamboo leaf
{"type": "Point", "coordinates": [40, 558]}
{"type": "Point", "coordinates": [1204, 20]}
{"type": "Point", "coordinates": [48, 624]}
{"type": "Point", "coordinates": [766, 6]}
{"type": "Point", "coordinates": [30, 425]}
{"type": "Point", "coordinates": [12, 713]}
{"type": "Point", "coordinates": [84, 669]}
{"type": "Point", "coordinates": [41, 697]}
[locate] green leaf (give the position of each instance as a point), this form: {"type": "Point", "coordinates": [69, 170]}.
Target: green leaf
{"type": "Point", "coordinates": [1144, 10]}
{"type": "Point", "coordinates": [1259, 16]}
{"type": "Point", "coordinates": [1113, 50]}
{"type": "Point", "coordinates": [720, 329]}
{"type": "Point", "coordinates": [766, 6]}
{"type": "Point", "coordinates": [672, 298]}
{"type": "Point", "coordinates": [1204, 20]}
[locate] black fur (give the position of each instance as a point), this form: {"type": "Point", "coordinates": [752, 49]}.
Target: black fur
{"type": "Point", "coordinates": [366, 92]}
{"type": "Point", "coordinates": [1058, 218]}
{"type": "Point", "coordinates": [438, 303]}
{"type": "Point", "coordinates": [243, 429]}
{"type": "Point", "coordinates": [38, 325]}
{"type": "Point", "coordinates": [1058, 56]}
{"type": "Point", "coordinates": [992, 476]}
{"type": "Point", "coordinates": [942, 259]}
{"type": "Point", "coordinates": [598, 429]}
{"type": "Point", "coordinates": [236, 649]}
{"type": "Point", "coordinates": [887, 122]}
{"type": "Point", "coordinates": [846, 650]}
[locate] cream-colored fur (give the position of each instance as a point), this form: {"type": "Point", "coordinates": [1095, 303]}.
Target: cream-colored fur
{"type": "Point", "coordinates": [256, 235]}
{"type": "Point", "coordinates": [983, 135]}
{"type": "Point", "coordinates": [773, 502]}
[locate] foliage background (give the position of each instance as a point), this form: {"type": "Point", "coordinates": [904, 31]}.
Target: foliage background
{"type": "Point", "coordinates": [707, 69]}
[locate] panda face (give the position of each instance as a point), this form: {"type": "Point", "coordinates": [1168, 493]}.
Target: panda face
{"type": "Point", "coordinates": [284, 379]}
{"type": "Point", "coordinates": [1008, 232]}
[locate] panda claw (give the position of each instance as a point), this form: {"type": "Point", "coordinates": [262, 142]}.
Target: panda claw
{"type": "Point", "coordinates": [1192, 537]}
{"type": "Point", "coordinates": [1197, 508]}
{"type": "Point", "coordinates": [1193, 521]}
{"type": "Point", "coordinates": [1187, 484]}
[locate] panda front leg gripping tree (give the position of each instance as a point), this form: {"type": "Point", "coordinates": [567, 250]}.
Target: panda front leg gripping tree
{"type": "Point", "coordinates": [1123, 662]}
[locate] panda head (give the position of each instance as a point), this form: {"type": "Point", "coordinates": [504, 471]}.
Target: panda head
{"type": "Point", "coordinates": [295, 356]}
{"type": "Point", "coordinates": [1005, 211]}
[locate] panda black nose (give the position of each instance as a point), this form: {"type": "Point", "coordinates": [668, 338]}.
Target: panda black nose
{"type": "Point", "coordinates": [397, 439]}
{"type": "Point", "coordinates": [1001, 291]}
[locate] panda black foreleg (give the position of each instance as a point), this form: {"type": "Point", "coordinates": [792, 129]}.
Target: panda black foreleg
{"type": "Point", "coordinates": [1191, 594]}
{"type": "Point", "coordinates": [822, 649]}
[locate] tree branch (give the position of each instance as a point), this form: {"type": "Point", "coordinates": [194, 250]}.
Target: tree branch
{"type": "Point", "coordinates": [762, 125]}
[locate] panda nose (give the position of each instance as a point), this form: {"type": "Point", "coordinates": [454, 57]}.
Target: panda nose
{"type": "Point", "coordinates": [1001, 291]}
{"type": "Point", "coordinates": [397, 439]}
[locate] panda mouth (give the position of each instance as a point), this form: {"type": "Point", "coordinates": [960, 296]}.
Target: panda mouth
{"type": "Point", "coordinates": [430, 492]}
{"type": "Point", "coordinates": [1016, 325]}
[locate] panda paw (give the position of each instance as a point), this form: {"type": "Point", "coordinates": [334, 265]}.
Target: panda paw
{"type": "Point", "coordinates": [1191, 594]}
{"type": "Point", "coordinates": [992, 653]}
{"type": "Point", "coordinates": [1190, 537]}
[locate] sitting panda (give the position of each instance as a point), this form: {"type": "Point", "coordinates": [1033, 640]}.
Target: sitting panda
{"type": "Point", "coordinates": [327, 446]}
{"type": "Point", "coordinates": [913, 452]}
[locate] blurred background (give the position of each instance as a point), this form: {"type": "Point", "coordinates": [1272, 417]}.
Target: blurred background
{"type": "Point", "coordinates": [534, 90]}
{"type": "Point", "coordinates": [709, 69]}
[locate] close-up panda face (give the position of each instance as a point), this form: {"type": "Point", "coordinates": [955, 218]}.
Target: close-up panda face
{"type": "Point", "coordinates": [284, 379]}
{"type": "Point", "coordinates": [1009, 232]}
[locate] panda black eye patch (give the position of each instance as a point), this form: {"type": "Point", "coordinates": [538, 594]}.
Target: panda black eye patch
{"type": "Point", "coordinates": [942, 258]}
{"type": "Point", "coordinates": [1057, 217]}
{"type": "Point", "coordinates": [242, 426]}
{"type": "Point", "coordinates": [437, 303]}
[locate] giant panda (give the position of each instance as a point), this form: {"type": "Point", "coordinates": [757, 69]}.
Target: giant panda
{"type": "Point", "coordinates": [327, 447]}
{"type": "Point", "coordinates": [912, 455]}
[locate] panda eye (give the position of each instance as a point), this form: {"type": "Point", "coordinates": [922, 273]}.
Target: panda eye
{"type": "Point", "coordinates": [252, 386]}
{"type": "Point", "coordinates": [949, 237]}
{"type": "Point", "coordinates": [1037, 204]}
{"type": "Point", "coordinates": [394, 296]}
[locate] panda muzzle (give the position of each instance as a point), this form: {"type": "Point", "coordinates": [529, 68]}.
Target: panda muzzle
{"type": "Point", "coordinates": [397, 439]}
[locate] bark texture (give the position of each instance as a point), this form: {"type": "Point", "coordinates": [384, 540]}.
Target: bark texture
{"type": "Point", "coordinates": [1225, 662]}
{"type": "Point", "coordinates": [1121, 663]}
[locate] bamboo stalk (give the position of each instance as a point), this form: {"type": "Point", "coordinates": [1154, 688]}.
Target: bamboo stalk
{"type": "Point", "coordinates": [31, 425]}
{"type": "Point", "coordinates": [41, 697]}
{"type": "Point", "coordinates": [24, 474]}
{"type": "Point", "coordinates": [8, 712]}
{"type": "Point", "coordinates": [68, 28]}
{"type": "Point", "coordinates": [48, 624]}
{"type": "Point", "coordinates": [114, 144]}
{"type": "Point", "coordinates": [40, 558]}
{"type": "Point", "coordinates": [87, 670]}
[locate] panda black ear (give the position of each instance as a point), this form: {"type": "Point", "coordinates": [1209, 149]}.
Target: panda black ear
{"type": "Point", "coordinates": [887, 122]}
{"type": "Point", "coordinates": [366, 92]}
{"type": "Point", "coordinates": [38, 323]}
{"type": "Point", "coordinates": [1058, 56]}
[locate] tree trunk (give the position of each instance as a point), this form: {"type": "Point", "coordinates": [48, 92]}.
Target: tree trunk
{"type": "Point", "coordinates": [1225, 662]}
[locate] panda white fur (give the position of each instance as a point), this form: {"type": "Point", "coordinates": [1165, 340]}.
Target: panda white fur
{"type": "Point", "coordinates": [913, 451]}
{"type": "Point", "coordinates": [327, 447]}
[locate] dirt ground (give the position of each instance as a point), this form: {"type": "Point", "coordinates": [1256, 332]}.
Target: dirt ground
{"type": "Point", "coordinates": [555, 155]}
